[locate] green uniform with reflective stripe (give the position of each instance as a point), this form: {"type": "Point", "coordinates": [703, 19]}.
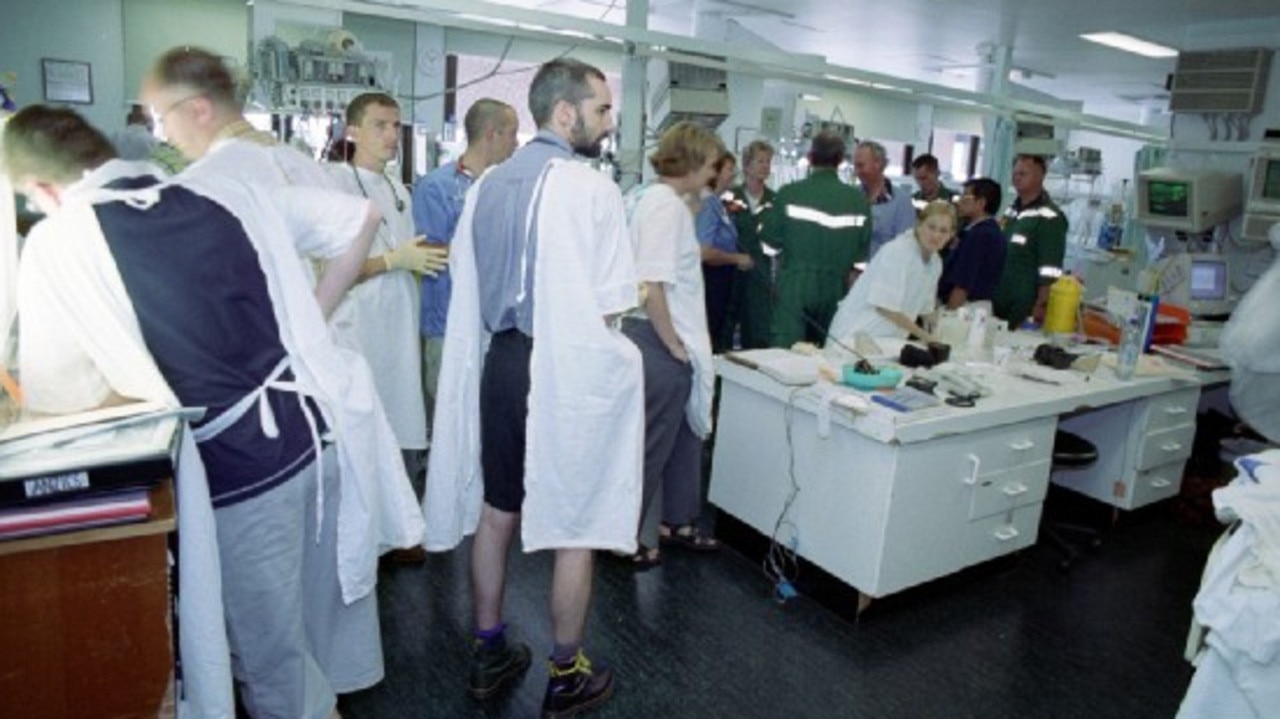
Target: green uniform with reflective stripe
{"type": "Point", "coordinates": [822, 226]}
{"type": "Point", "coordinates": [751, 302]}
{"type": "Point", "coordinates": [1037, 240]}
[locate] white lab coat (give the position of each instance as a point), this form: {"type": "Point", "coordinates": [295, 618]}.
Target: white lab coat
{"type": "Point", "coordinates": [379, 316]}
{"type": "Point", "coordinates": [899, 279]}
{"type": "Point", "coordinates": [585, 427]}
{"type": "Point", "coordinates": [1251, 347]}
{"type": "Point", "coordinates": [8, 264]}
{"type": "Point", "coordinates": [379, 510]}
{"type": "Point", "coordinates": [1238, 667]}
{"type": "Point", "coordinates": [68, 278]}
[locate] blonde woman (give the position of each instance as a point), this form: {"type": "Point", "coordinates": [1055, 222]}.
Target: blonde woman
{"type": "Point", "coordinates": [671, 331]}
{"type": "Point", "coordinates": [901, 283]}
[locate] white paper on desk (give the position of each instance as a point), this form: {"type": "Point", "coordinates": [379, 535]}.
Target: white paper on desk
{"type": "Point", "coordinates": [149, 437]}
{"type": "Point", "coordinates": [51, 423]}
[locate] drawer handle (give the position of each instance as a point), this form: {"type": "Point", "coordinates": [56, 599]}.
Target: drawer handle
{"type": "Point", "coordinates": [1004, 534]}
{"type": "Point", "coordinates": [1160, 482]}
{"type": "Point", "coordinates": [1177, 409]}
{"type": "Point", "coordinates": [1171, 447]}
{"type": "Point", "coordinates": [975, 463]}
{"type": "Point", "coordinates": [1013, 490]}
{"type": "Point", "coordinates": [1022, 445]}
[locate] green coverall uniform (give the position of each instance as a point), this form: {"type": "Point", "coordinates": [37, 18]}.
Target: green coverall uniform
{"type": "Point", "coordinates": [751, 299]}
{"type": "Point", "coordinates": [822, 226]}
{"type": "Point", "coordinates": [1037, 235]}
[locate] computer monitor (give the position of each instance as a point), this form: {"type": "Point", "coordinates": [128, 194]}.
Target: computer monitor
{"type": "Point", "coordinates": [1187, 201]}
{"type": "Point", "coordinates": [1263, 207]}
{"type": "Point", "coordinates": [1209, 285]}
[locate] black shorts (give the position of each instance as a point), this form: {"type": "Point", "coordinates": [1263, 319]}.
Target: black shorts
{"type": "Point", "coordinates": [504, 408]}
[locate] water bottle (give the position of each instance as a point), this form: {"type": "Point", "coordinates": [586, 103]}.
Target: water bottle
{"type": "Point", "coordinates": [1130, 347]}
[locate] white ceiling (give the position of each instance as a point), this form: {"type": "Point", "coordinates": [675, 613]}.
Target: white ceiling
{"type": "Point", "coordinates": [937, 41]}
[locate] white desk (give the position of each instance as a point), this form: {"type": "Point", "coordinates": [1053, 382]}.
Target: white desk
{"type": "Point", "coordinates": [887, 500]}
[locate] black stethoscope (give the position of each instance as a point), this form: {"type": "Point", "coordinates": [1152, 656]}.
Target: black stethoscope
{"type": "Point", "coordinates": [399, 202]}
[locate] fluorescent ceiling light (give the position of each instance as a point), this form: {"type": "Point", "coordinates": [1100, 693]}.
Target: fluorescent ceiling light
{"type": "Point", "coordinates": [810, 96]}
{"type": "Point", "coordinates": [1129, 43]}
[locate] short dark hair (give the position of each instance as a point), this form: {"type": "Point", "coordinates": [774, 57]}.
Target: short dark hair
{"type": "Point", "coordinates": [361, 103]}
{"type": "Point", "coordinates": [52, 144]}
{"type": "Point", "coordinates": [726, 158]}
{"type": "Point", "coordinates": [484, 113]}
{"type": "Point", "coordinates": [987, 190]}
{"type": "Point", "coordinates": [563, 79]}
{"type": "Point", "coordinates": [683, 148]}
{"type": "Point", "coordinates": [827, 150]}
{"type": "Point", "coordinates": [1036, 160]}
{"type": "Point", "coordinates": [756, 147]}
{"type": "Point", "coordinates": [925, 162]}
{"type": "Point", "coordinates": [199, 70]}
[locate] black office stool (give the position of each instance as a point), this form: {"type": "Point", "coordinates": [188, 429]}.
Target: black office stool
{"type": "Point", "coordinates": [1071, 451]}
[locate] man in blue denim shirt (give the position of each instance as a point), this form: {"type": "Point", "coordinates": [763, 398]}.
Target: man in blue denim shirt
{"type": "Point", "coordinates": [437, 203]}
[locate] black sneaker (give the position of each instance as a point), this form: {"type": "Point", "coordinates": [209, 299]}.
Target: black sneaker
{"type": "Point", "coordinates": [575, 688]}
{"type": "Point", "coordinates": [492, 668]}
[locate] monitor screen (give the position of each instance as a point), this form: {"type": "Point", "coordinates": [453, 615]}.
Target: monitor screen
{"type": "Point", "coordinates": [1209, 279]}
{"type": "Point", "coordinates": [1166, 198]}
{"type": "Point", "coordinates": [1270, 179]}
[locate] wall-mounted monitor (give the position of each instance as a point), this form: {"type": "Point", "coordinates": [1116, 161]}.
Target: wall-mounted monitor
{"type": "Point", "coordinates": [1262, 210]}
{"type": "Point", "coordinates": [1187, 201]}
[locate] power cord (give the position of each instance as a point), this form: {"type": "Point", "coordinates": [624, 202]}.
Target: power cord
{"type": "Point", "coordinates": [781, 565]}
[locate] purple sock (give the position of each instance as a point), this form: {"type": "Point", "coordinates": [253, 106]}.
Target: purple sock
{"type": "Point", "coordinates": [493, 637]}
{"type": "Point", "coordinates": [565, 654]}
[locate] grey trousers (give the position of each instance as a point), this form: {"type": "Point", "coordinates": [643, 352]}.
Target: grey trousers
{"type": "Point", "coordinates": [672, 452]}
{"type": "Point", "coordinates": [294, 643]}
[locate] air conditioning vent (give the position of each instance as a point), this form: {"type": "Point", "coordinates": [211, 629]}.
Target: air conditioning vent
{"type": "Point", "coordinates": [686, 91]}
{"type": "Point", "coordinates": [1221, 81]}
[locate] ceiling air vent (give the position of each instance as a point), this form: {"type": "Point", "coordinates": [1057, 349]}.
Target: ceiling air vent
{"type": "Point", "coordinates": [1220, 81]}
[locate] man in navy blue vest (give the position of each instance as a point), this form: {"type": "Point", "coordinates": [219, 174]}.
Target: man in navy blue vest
{"type": "Point", "coordinates": [137, 290]}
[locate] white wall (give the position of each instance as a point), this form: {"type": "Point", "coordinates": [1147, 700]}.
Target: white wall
{"type": "Point", "coordinates": [82, 30]}
{"type": "Point", "coordinates": [152, 27]}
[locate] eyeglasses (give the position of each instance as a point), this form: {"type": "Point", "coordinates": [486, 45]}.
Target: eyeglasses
{"type": "Point", "coordinates": [159, 116]}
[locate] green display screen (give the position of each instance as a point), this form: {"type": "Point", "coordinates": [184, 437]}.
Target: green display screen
{"type": "Point", "coordinates": [1271, 180]}
{"type": "Point", "coordinates": [1167, 198]}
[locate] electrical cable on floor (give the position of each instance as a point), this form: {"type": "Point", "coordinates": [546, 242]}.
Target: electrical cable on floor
{"type": "Point", "coordinates": [781, 565]}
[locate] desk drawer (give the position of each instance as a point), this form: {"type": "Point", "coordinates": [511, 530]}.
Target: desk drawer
{"type": "Point", "coordinates": [1002, 491]}
{"type": "Point", "coordinates": [1155, 484]}
{"type": "Point", "coordinates": [1165, 446]}
{"type": "Point", "coordinates": [968, 457]}
{"type": "Point", "coordinates": [1171, 410]}
{"type": "Point", "coordinates": [995, 536]}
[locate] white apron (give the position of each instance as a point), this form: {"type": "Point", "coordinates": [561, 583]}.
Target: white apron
{"type": "Point", "coordinates": [1238, 669]}
{"type": "Point", "coordinates": [376, 514]}
{"type": "Point", "coordinates": [1251, 346]}
{"type": "Point", "coordinates": [585, 428]}
{"type": "Point", "coordinates": [72, 275]}
{"type": "Point", "coordinates": [379, 316]}
{"type": "Point", "coordinates": [373, 518]}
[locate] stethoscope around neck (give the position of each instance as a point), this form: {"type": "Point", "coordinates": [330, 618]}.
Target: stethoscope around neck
{"type": "Point", "coordinates": [400, 203]}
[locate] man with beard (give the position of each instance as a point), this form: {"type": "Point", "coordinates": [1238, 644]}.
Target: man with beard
{"type": "Point", "coordinates": [541, 252]}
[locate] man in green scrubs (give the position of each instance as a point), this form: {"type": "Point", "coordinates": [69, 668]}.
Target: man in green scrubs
{"type": "Point", "coordinates": [1036, 230]}
{"type": "Point", "coordinates": [751, 303]}
{"type": "Point", "coordinates": [821, 226]}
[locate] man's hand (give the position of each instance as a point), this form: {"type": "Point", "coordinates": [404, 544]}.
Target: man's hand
{"type": "Point", "coordinates": [418, 256]}
{"type": "Point", "coordinates": [744, 262]}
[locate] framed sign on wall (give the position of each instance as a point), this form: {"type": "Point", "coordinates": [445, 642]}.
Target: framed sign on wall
{"type": "Point", "coordinates": [67, 81]}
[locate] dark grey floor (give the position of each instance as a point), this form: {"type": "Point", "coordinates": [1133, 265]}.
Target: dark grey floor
{"type": "Point", "coordinates": [702, 636]}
